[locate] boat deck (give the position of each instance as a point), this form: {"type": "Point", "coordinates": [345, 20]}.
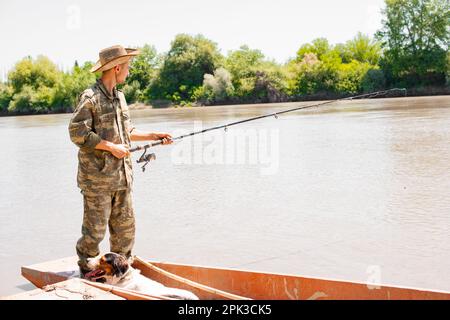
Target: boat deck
{"type": "Point", "coordinates": [72, 289]}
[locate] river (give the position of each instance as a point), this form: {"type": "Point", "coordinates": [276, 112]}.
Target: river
{"type": "Point", "coordinates": [356, 190]}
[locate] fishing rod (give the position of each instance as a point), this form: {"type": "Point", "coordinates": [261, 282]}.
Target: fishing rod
{"type": "Point", "coordinates": [146, 158]}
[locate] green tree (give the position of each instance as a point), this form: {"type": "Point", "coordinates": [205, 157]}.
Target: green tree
{"type": "Point", "coordinates": [310, 75]}
{"type": "Point", "coordinates": [72, 84]}
{"type": "Point", "coordinates": [242, 63]}
{"type": "Point", "coordinates": [216, 88]}
{"type": "Point", "coordinates": [143, 72]}
{"type": "Point", "coordinates": [319, 47]}
{"type": "Point", "coordinates": [254, 78]}
{"type": "Point", "coordinates": [183, 68]}
{"type": "Point", "coordinates": [34, 85]}
{"type": "Point", "coordinates": [34, 73]}
{"type": "Point", "coordinates": [361, 48]}
{"type": "Point", "coordinates": [271, 83]}
{"type": "Point", "coordinates": [351, 76]}
{"type": "Point", "coordinates": [6, 93]}
{"type": "Point", "coordinates": [32, 100]}
{"type": "Point", "coordinates": [315, 69]}
{"type": "Point", "coordinates": [321, 68]}
{"type": "Point", "coordinates": [415, 35]}
{"type": "Point", "coordinates": [373, 80]}
{"type": "Point", "coordinates": [447, 76]}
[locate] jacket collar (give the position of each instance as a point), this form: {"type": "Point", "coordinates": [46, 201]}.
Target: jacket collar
{"type": "Point", "coordinates": [105, 91]}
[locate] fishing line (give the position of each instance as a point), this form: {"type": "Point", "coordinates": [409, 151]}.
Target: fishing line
{"type": "Point", "coordinates": [146, 158]}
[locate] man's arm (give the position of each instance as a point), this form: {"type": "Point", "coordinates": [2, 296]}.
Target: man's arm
{"type": "Point", "coordinates": [81, 133]}
{"type": "Point", "coordinates": [117, 150]}
{"type": "Point", "coordinates": [137, 135]}
{"type": "Point", "coordinates": [80, 126]}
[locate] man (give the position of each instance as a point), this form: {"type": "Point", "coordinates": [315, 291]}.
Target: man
{"type": "Point", "coordinates": [101, 127]}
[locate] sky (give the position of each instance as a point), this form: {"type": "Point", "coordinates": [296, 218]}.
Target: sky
{"type": "Point", "coordinates": [69, 30]}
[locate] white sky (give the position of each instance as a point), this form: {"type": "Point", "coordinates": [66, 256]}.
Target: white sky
{"type": "Point", "coordinates": [69, 30]}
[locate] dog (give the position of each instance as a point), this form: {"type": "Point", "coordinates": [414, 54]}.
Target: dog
{"type": "Point", "coordinates": [114, 269]}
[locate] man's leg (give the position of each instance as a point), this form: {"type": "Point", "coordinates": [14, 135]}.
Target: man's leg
{"type": "Point", "coordinates": [122, 223]}
{"type": "Point", "coordinates": [97, 209]}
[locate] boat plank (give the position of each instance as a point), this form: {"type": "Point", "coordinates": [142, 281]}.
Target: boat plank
{"type": "Point", "coordinates": [174, 280]}
{"type": "Point", "coordinates": [72, 289]}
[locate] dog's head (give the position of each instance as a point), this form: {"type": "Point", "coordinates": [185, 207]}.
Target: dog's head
{"type": "Point", "coordinates": [108, 268]}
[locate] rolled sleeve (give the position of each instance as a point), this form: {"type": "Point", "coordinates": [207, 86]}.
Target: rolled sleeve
{"type": "Point", "coordinates": [80, 126]}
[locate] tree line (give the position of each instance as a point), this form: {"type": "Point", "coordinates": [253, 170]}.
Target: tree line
{"type": "Point", "coordinates": [410, 50]}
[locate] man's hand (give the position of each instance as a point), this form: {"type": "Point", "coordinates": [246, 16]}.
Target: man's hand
{"type": "Point", "coordinates": [137, 135]}
{"type": "Point", "coordinates": [117, 150]}
{"type": "Point", "coordinates": [165, 137]}
{"type": "Point", "coordinates": [120, 150]}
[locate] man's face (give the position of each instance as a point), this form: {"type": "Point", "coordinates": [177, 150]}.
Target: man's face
{"type": "Point", "coordinates": [122, 72]}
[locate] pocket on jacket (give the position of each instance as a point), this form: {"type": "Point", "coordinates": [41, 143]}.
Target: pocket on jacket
{"type": "Point", "coordinates": [108, 126]}
{"type": "Point", "coordinates": [106, 163]}
{"type": "Point", "coordinates": [99, 159]}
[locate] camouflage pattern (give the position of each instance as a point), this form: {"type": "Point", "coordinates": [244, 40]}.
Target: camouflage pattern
{"type": "Point", "coordinates": [104, 180]}
{"type": "Point", "coordinates": [112, 209]}
{"type": "Point", "coordinates": [98, 116]}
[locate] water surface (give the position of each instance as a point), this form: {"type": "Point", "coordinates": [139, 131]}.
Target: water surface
{"type": "Point", "coordinates": [360, 191]}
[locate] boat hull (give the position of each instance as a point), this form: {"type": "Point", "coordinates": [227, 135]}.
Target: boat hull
{"type": "Point", "coordinates": [249, 284]}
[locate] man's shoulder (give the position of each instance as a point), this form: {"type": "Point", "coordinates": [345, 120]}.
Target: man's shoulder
{"type": "Point", "coordinates": [90, 94]}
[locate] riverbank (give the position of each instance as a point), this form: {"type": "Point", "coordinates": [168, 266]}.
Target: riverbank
{"type": "Point", "coordinates": [412, 92]}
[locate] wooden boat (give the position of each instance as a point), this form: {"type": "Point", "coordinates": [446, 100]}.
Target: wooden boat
{"type": "Point", "coordinates": [219, 283]}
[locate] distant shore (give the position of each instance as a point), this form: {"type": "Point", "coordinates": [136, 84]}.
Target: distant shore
{"type": "Point", "coordinates": [414, 92]}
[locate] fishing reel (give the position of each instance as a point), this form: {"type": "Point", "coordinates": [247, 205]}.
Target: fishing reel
{"type": "Point", "coordinates": [146, 158]}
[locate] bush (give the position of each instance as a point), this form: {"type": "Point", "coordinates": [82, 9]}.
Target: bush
{"type": "Point", "coordinates": [6, 93]}
{"type": "Point", "coordinates": [373, 80]}
{"type": "Point", "coordinates": [243, 64]}
{"type": "Point", "coordinates": [361, 48]}
{"type": "Point", "coordinates": [34, 85]}
{"type": "Point", "coordinates": [323, 69]}
{"type": "Point", "coordinates": [255, 79]}
{"type": "Point", "coordinates": [30, 100]}
{"type": "Point", "coordinates": [216, 88]}
{"type": "Point", "coordinates": [447, 73]}
{"type": "Point", "coordinates": [71, 86]}
{"type": "Point", "coordinates": [132, 92]}
{"type": "Point", "coordinates": [34, 73]}
{"type": "Point", "coordinates": [415, 38]}
{"type": "Point", "coordinates": [319, 47]}
{"type": "Point", "coordinates": [183, 68]}
{"type": "Point", "coordinates": [311, 76]}
{"type": "Point", "coordinates": [351, 76]}
{"type": "Point", "coordinates": [271, 83]}
{"type": "Point", "coordinates": [143, 72]}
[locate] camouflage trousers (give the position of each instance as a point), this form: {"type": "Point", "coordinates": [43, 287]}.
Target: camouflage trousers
{"type": "Point", "coordinates": [112, 209]}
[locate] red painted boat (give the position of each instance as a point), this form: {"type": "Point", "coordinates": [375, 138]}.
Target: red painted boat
{"type": "Point", "coordinates": [221, 283]}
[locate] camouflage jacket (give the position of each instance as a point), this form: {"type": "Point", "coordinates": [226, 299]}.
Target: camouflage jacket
{"type": "Point", "coordinates": [100, 116]}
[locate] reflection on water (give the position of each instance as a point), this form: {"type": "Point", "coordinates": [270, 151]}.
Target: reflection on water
{"type": "Point", "coordinates": [361, 186]}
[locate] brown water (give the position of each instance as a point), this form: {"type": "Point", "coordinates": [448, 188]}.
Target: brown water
{"type": "Point", "coordinates": [356, 191]}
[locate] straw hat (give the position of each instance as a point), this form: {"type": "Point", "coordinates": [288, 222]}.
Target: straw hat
{"type": "Point", "coordinates": [113, 56]}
